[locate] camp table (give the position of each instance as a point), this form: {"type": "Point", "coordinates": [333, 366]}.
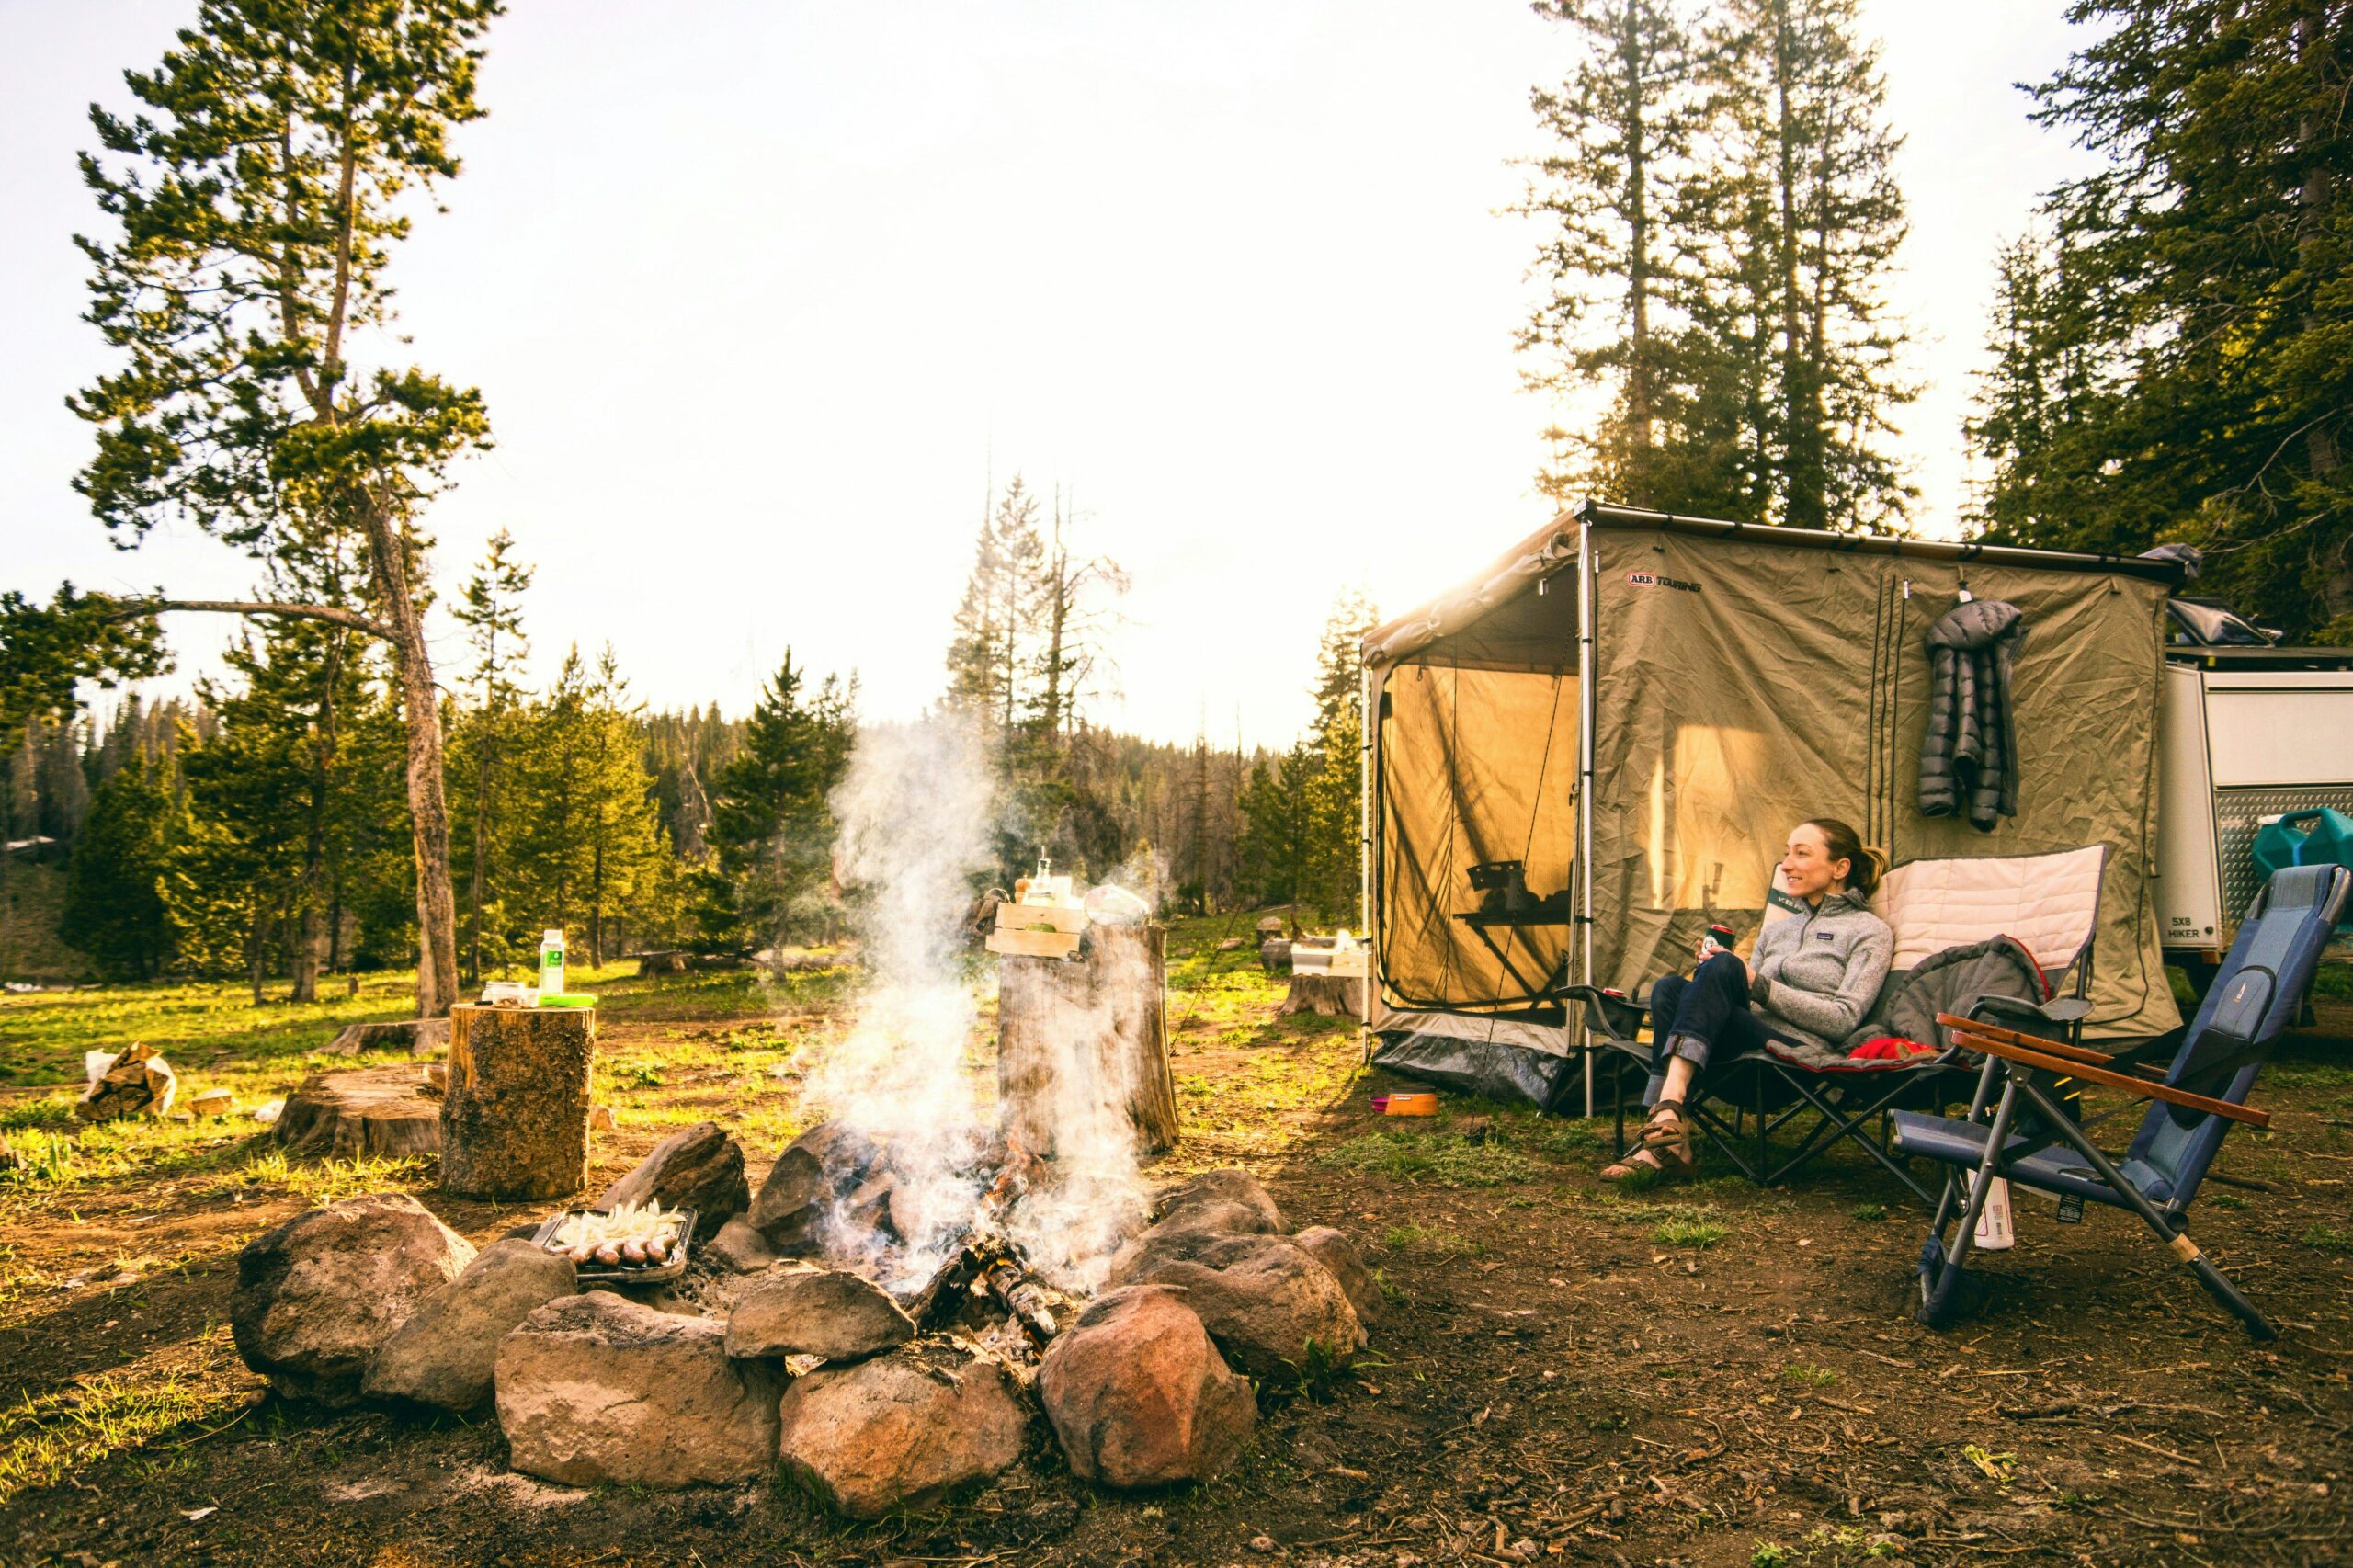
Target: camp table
{"type": "Point", "coordinates": [1483, 924]}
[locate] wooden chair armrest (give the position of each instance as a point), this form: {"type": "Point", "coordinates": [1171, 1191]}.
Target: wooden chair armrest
{"type": "Point", "coordinates": [2047, 1062]}
{"type": "Point", "coordinates": [2083, 1053]}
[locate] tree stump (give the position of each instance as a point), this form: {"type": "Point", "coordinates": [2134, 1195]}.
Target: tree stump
{"type": "Point", "coordinates": [514, 1113]}
{"type": "Point", "coordinates": [383, 1111]}
{"type": "Point", "coordinates": [1104, 1015]}
{"type": "Point", "coordinates": [1325, 996]}
{"type": "Point", "coordinates": [418, 1036]}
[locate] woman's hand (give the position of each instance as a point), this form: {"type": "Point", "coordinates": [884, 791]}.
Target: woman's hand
{"type": "Point", "coordinates": [1760, 990]}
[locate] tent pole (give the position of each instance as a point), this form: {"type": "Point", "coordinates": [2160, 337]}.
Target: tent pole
{"type": "Point", "coordinates": [1585, 790]}
{"type": "Point", "coordinates": [1368, 758]}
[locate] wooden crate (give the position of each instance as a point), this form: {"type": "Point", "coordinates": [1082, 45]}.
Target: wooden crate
{"type": "Point", "coordinates": [1066, 917]}
{"type": "Point", "coordinates": [1034, 944]}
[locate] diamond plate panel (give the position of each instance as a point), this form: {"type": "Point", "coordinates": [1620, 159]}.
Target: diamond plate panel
{"type": "Point", "coordinates": [2238, 817]}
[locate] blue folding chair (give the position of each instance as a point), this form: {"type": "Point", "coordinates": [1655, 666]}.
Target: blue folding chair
{"type": "Point", "coordinates": [2034, 1142]}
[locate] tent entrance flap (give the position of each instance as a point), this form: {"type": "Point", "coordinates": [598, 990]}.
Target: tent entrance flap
{"type": "Point", "coordinates": [1476, 765]}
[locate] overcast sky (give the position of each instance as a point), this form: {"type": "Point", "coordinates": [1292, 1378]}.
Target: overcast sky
{"type": "Point", "coordinates": [762, 293]}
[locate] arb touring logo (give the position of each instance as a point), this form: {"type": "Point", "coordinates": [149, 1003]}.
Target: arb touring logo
{"type": "Point", "coordinates": [1653, 580]}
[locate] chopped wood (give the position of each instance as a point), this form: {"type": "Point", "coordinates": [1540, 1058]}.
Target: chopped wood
{"type": "Point", "coordinates": [137, 1083]}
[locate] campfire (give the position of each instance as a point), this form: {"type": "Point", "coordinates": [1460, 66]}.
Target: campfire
{"type": "Point", "coordinates": [985, 1290]}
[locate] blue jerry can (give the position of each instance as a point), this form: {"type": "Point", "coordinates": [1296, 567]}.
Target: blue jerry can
{"type": "Point", "coordinates": [2321, 836]}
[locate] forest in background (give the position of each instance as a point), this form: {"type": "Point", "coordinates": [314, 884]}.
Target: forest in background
{"type": "Point", "coordinates": [258, 831]}
{"type": "Point", "coordinates": [2169, 359]}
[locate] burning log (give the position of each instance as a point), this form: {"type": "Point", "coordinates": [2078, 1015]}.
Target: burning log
{"type": "Point", "coordinates": [1028, 1301]}
{"type": "Point", "coordinates": [1119, 985]}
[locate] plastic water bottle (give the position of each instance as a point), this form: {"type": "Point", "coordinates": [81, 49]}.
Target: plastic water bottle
{"type": "Point", "coordinates": [1994, 1232]}
{"type": "Point", "coordinates": [551, 964]}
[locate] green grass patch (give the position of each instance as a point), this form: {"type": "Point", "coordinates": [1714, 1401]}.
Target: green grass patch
{"type": "Point", "coordinates": [1688, 1232]}
{"type": "Point", "coordinates": [1421, 1239]}
{"type": "Point", "coordinates": [2328, 1238]}
{"type": "Point", "coordinates": [1868, 1214]}
{"type": "Point", "coordinates": [1806, 1375]}
{"type": "Point", "coordinates": [322, 1181]}
{"type": "Point", "coordinates": [1436, 1159]}
{"type": "Point", "coordinates": [45, 1438]}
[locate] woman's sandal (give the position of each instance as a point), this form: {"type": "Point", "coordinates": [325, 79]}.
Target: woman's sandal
{"type": "Point", "coordinates": [1664, 1146]}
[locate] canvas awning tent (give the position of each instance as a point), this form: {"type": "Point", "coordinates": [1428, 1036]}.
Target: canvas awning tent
{"type": "Point", "coordinates": [1738, 680]}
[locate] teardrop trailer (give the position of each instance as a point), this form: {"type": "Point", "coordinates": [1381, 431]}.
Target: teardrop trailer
{"type": "Point", "coordinates": [1587, 755]}
{"type": "Point", "coordinates": [2251, 736]}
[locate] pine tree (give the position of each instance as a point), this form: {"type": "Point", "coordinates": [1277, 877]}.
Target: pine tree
{"type": "Point", "coordinates": [253, 202]}
{"type": "Point", "coordinates": [1622, 123]}
{"type": "Point", "coordinates": [2199, 285]}
{"type": "Point", "coordinates": [2029, 397]}
{"type": "Point", "coordinates": [991, 657]}
{"type": "Point", "coordinates": [234, 872]}
{"type": "Point", "coordinates": [772, 827]}
{"type": "Point", "coordinates": [1071, 594]}
{"type": "Point", "coordinates": [491, 611]}
{"type": "Point", "coordinates": [1301, 832]}
{"type": "Point", "coordinates": [1278, 826]}
{"type": "Point", "coordinates": [114, 910]}
{"type": "Point", "coordinates": [625, 851]}
{"type": "Point", "coordinates": [1792, 224]}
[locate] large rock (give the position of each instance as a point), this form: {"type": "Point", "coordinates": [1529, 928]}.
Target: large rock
{"type": "Point", "coordinates": [319, 1294]}
{"type": "Point", "coordinates": [1264, 1300]}
{"type": "Point", "coordinates": [1139, 1396]}
{"type": "Point", "coordinates": [1227, 1200]}
{"type": "Point", "coordinates": [596, 1389]}
{"type": "Point", "coordinates": [1335, 1252]}
{"type": "Point", "coordinates": [797, 1311]}
{"type": "Point", "coordinates": [442, 1357]}
{"type": "Point", "coordinates": [698, 1168]}
{"type": "Point", "coordinates": [903, 1430]}
{"type": "Point", "coordinates": [815, 1169]}
{"type": "Point", "coordinates": [741, 1248]}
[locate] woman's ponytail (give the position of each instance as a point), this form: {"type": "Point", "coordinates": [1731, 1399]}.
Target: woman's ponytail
{"type": "Point", "coordinates": [1866, 863]}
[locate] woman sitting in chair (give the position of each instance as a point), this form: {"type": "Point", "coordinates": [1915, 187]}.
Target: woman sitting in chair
{"type": "Point", "coordinates": [1811, 980]}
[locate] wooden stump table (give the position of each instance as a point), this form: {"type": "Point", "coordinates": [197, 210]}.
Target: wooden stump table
{"type": "Point", "coordinates": [1113, 1004]}
{"type": "Point", "coordinates": [515, 1112]}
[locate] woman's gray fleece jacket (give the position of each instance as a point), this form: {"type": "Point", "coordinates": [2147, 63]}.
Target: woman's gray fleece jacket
{"type": "Point", "coordinates": [1823, 969]}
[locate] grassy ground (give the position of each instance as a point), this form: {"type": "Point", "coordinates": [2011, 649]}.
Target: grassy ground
{"type": "Point", "coordinates": [1703, 1373]}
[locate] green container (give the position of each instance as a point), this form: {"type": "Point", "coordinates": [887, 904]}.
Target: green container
{"type": "Point", "coordinates": [568, 999]}
{"type": "Point", "coordinates": [2320, 836]}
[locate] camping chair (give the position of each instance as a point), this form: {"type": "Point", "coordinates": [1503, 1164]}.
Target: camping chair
{"type": "Point", "coordinates": [2033, 1143]}
{"type": "Point", "coordinates": [2044, 908]}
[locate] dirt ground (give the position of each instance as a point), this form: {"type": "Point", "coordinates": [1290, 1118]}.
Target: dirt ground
{"type": "Point", "coordinates": [1705, 1374]}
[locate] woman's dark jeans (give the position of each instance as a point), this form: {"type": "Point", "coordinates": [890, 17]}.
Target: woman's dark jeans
{"type": "Point", "coordinates": [1692, 1019]}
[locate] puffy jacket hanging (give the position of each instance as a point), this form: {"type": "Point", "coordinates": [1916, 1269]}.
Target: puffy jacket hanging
{"type": "Point", "coordinates": [1969, 756]}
